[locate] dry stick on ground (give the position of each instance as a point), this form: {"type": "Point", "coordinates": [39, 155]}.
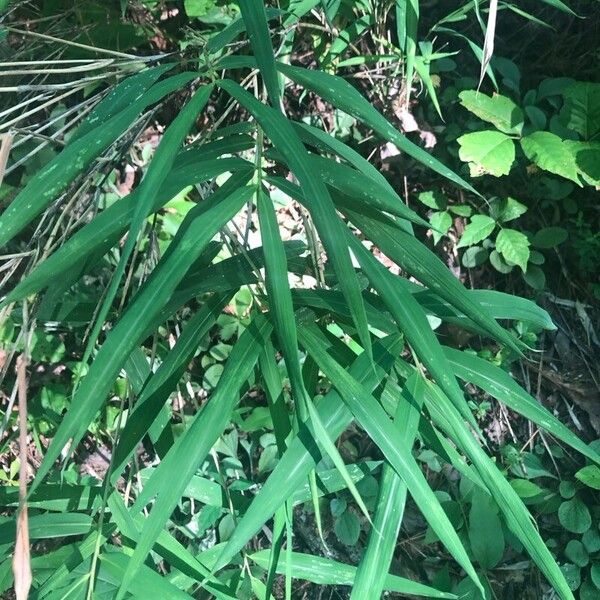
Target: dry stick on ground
{"type": "Point", "coordinates": [21, 560]}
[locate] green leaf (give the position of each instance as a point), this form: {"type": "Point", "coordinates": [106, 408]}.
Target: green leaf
{"type": "Point", "coordinates": [325, 571]}
{"type": "Point", "coordinates": [163, 382]}
{"type": "Point", "coordinates": [581, 109]}
{"type": "Point", "coordinates": [107, 227]}
{"type": "Point", "coordinates": [199, 226]}
{"type": "Point", "coordinates": [535, 277]}
{"type": "Point", "coordinates": [347, 528]}
{"type": "Point", "coordinates": [462, 210]}
{"type": "Point", "coordinates": [590, 476]}
{"type": "Point", "coordinates": [474, 256]}
{"type": "Point", "coordinates": [412, 321]}
{"type": "Point", "coordinates": [516, 516]}
{"type": "Point", "coordinates": [371, 416]}
{"type": "Point", "coordinates": [298, 460]}
{"type": "Point", "coordinates": [576, 553]}
{"type": "Point", "coordinates": [550, 153]}
{"type": "Point", "coordinates": [191, 448]}
{"type": "Point", "coordinates": [572, 574]}
{"type": "Point", "coordinates": [498, 110]}
{"type": "Point", "coordinates": [255, 19]}
{"type": "Point", "coordinates": [198, 8]}
{"type": "Point", "coordinates": [485, 531]}
{"type": "Point", "coordinates": [587, 157]}
{"type": "Point", "coordinates": [52, 179]}
{"type": "Point", "coordinates": [499, 384]}
{"type": "Point", "coordinates": [595, 573]}
{"type": "Point", "coordinates": [155, 176]}
{"type": "Point", "coordinates": [591, 540]}
{"type": "Point", "coordinates": [480, 228]}
{"type": "Point", "coordinates": [331, 229]}
{"type": "Point", "coordinates": [499, 263]}
{"type": "Point", "coordinates": [549, 237]}
{"type": "Point", "coordinates": [526, 489]}
{"type": "Point", "coordinates": [514, 247]}
{"type": "Point", "coordinates": [441, 222]}
{"type": "Point", "coordinates": [507, 209]}
{"type": "Point", "coordinates": [422, 264]}
{"type": "Point", "coordinates": [574, 516]}
{"type": "Point", "coordinates": [345, 97]}
{"type": "Point", "coordinates": [487, 152]}
{"type": "Point", "coordinates": [434, 199]}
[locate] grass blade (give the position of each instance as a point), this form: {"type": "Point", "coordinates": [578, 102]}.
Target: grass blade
{"type": "Point", "coordinates": [330, 572]}
{"type": "Point", "coordinates": [345, 97]}
{"type": "Point", "coordinates": [330, 227]}
{"type": "Point", "coordinates": [302, 454]}
{"type": "Point", "coordinates": [162, 383]}
{"type": "Point", "coordinates": [50, 181]}
{"type": "Point", "coordinates": [375, 563]}
{"type": "Point", "coordinates": [412, 321]}
{"type": "Point", "coordinates": [499, 384]}
{"type": "Point", "coordinates": [200, 224]}
{"type": "Point", "coordinates": [516, 515]}
{"type": "Point", "coordinates": [257, 27]}
{"type": "Point", "coordinates": [191, 448]}
{"type": "Point", "coordinates": [157, 172]}
{"type": "Point", "coordinates": [373, 419]}
{"type": "Point", "coordinates": [419, 261]}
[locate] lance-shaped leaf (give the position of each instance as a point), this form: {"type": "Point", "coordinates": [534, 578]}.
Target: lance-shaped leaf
{"type": "Point", "coordinates": [421, 263]}
{"type": "Point", "coordinates": [317, 199]}
{"type": "Point", "coordinates": [104, 231]}
{"type": "Point", "coordinates": [192, 447]}
{"type": "Point", "coordinates": [163, 382]}
{"type": "Point", "coordinates": [302, 454]}
{"type": "Point", "coordinates": [391, 499]}
{"type": "Point", "coordinates": [345, 97]}
{"type": "Point", "coordinates": [413, 322]}
{"type": "Point", "coordinates": [499, 384]}
{"type": "Point", "coordinates": [514, 511]}
{"type": "Point", "coordinates": [325, 571]}
{"type": "Point", "coordinates": [371, 416]}
{"type": "Point", "coordinates": [50, 181]}
{"type": "Point", "coordinates": [149, 188]}
{"type": "Point", "coordinates": [257, 27]}
{"type": "Point", "coordinates": [199, 226]}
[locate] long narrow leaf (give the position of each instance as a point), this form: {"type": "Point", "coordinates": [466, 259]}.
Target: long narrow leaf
{"type": "Point", "coordinates": [201, 223]}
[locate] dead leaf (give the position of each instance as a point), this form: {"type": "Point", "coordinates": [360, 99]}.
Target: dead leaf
{"type": "Point", "coordinates": [21, 564]}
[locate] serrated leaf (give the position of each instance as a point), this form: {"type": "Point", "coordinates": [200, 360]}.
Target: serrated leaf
{"type": "Point", "coordinates": [581, 110]}
{"type": "Point", "coordinates": [498, 110]}
{"type": "Point", "coordinates": [487, 152]}
{"type": "Point", "coordinates": [480, 228]}
{"type": "Point", "coordinates": [550, 153]}
{"type": "Point", "coordinates": [514, 247]}
{"type": "Point", "coordinates": [507, 209]}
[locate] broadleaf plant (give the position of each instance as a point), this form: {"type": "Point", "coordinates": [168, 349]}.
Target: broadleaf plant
{"type": "Point", "coordinates": [357, 346]}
